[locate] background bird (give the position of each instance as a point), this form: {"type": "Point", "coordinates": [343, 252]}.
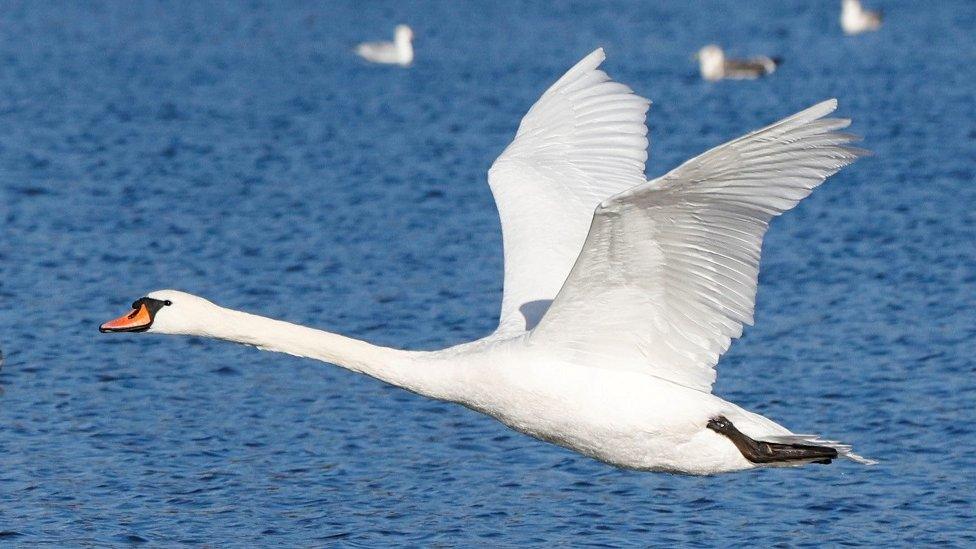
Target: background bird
{"type": "Point", "coordinates": [715, 66]}
{"type": "Point", "coordinates": [854, 19]}
{"type": "Point", "coordinates": [397, 52]}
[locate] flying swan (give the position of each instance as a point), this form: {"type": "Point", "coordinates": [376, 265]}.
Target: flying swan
{"type": "Point", "coordinates": [620, 294]}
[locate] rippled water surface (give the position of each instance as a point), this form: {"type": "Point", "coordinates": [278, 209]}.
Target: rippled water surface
{"type": "Point", "coordinates": [240, 152]}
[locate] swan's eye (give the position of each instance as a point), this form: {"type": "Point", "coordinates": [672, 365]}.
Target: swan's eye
{"type": "Point", "coordinates": [167, 302]}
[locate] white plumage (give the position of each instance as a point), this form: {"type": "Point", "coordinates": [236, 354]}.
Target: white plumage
{"type": "Point", "coordinates": [612, 322]}
{"type": "Point", "coordinates": [854, 19]}
{"type": "Point", "coordinates": [584, 140]}
{"type": "Point", "coordinates": [668, 271]}
{"type": "Point", "coordinates": [397, 52]}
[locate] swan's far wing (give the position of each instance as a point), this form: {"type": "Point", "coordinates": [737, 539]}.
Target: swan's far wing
{"type": "Point", "coordinates": [583, 141]}
{"type": "Point", "coordinates": [667, 276]}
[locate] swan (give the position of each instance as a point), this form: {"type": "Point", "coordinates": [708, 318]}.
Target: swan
{"type": "Point", "coordinates": [620, 294]}
{"type": "Point", "coordinates": [854, 19]}
{"type": "Point", "coordinates": [713, 65]}
{"type": "Point", "coordinates": [397, 52]}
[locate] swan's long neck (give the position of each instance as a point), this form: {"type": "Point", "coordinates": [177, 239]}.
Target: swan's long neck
{"type": "Point", "coordinates": [420, 372]}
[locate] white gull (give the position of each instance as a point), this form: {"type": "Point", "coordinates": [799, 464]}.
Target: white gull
{"type": "Point", "coordinates": [397, 52]}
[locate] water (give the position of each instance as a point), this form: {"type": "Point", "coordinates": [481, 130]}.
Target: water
{"type": "Point", "coordinates": [241, 153]}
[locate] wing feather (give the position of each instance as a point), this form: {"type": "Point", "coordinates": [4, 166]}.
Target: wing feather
{"type": "Point", "coordinates": [583, 141]}
{"type": "Point", "coordinates": [667, 275]}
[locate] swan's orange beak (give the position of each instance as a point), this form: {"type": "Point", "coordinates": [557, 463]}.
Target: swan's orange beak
{"type": "Point", "coordinates": [136, 321]}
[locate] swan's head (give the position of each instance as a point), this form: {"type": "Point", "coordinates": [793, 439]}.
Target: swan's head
{"type": "Point", "coordinates": [165, 312]}
{"type": "Point", "coordinates": [403, 33]}
{"type": "Point", "coordinates": [711, 54]}
{"type": "Point", "coordinates": [711, 62]}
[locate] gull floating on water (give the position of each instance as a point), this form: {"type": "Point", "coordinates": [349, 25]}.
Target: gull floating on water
{"type": "Point", "coordinates": [620, 294]}
{"type": "Point", "coordinates": [854, 19]}
{"type": "Point", "coordinates": [715, 66]}
{"type": "Point", "coordinates": [397, 52]}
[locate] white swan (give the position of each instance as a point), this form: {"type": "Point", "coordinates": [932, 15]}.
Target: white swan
{"type": "Point", "coordinates": [610, 331]}
{"type": "Point", "coordinates": [713, 65]}
{"type": "Point", "coordinates": [397, 52]}
{"type": "Point", "coordinates": [854, 19]}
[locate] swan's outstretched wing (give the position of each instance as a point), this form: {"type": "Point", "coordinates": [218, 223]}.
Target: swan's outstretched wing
{"type": "Point", "coordinates": [667, 276]}
{"type": "Point", "coordinates": [583, 141]}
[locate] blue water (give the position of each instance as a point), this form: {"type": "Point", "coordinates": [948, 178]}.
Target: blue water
{"type": "Point", "coordinates": [238, 151]}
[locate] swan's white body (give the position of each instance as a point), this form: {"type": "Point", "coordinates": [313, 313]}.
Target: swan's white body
{"type": "Point", "coordinates": [854, 19]}
{"type": "Point", "coordinates": [713, 65]}
{"type": "Point", "coordinates": [397, 52]}
{"type": "Point", "coordinates": [611, 323]}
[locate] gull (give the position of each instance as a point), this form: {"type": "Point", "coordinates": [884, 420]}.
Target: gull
{"type": "Point", "coordinates": [854, 19]}
{"type": "Point", "coordinates": [715, 66]}
{"type": "Point", "coordinates": [397, 52]}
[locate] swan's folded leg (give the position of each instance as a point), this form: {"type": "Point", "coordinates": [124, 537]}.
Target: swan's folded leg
{"type": "Point", "coordinates": [759, 451]}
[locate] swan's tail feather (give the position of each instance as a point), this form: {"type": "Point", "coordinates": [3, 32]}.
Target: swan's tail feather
{"type": "Point", "coordinates": [843, 450]}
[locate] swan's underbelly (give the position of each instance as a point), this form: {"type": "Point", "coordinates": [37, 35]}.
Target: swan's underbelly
{"type": "Point", "coordinates": [625, 419]}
